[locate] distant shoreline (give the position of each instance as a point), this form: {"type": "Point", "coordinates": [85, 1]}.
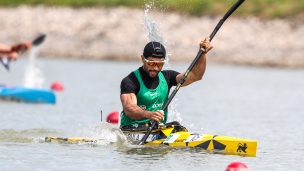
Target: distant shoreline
{"type": "Point", "coordinates": [118, 34]}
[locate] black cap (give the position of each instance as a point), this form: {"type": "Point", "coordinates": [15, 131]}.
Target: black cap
{"type": "Point", "coordinates": [155, 50]}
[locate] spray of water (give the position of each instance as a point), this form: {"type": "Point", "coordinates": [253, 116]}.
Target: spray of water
{"type": "Point", "coordinates": [104, 133]}
{"type": "Point", "coordinates": [151, 25]}
{"type": "Point", "coordinates": [153, 33]}
{"type": "Point", "coordinates": [33, 76]}
{"type": "Point", "coordinates": [173, 113]}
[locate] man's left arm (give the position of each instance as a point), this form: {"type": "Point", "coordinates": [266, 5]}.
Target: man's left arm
{"type": "Point", "coordinates": [12, 52]}
{"type": "Point", "coordinates": [199, 68]}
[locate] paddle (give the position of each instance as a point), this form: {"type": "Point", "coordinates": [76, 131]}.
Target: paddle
{"type": "Point", "coordinates": [201, 51]}
{"type": "Point", "coordinates": [35, 42]}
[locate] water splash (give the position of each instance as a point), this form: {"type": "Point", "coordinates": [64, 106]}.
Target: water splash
{"type": "Point", "coordinates": [33, 76]}
{"type": "Point", "coordinates": [105, 133]}
{"type": "Point", "coordinates": [153, 32]}
{"type": "Point", "coordinates": [173, 114]}
{"type": "Point", "coordinates": [151, 25]}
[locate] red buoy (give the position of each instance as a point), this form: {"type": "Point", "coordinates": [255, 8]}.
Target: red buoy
{"type": "Point", "coordinates": [237, 166]}
{"type": "Point", "coordinates": [57, 86]}
{"type": "Point", "coordinates": [113, 117]}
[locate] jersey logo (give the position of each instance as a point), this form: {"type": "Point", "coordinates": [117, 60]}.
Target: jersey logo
{"type": "Point", "coordinates": [143, 107]}
{"type": "Point", "coordinates": [157, 105]}
{"type": "Point", "coordinates": [153, 94]}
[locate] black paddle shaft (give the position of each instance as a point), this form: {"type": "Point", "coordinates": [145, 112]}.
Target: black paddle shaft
{"type": "Point", "coordinates": [199, 54]}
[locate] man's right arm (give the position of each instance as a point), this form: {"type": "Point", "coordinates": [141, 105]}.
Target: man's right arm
{"type": "Point", "coordinates": [129, 103]}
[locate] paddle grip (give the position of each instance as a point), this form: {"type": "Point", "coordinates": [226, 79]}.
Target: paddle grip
{"type": "Point", "coordinates": [21, 51]}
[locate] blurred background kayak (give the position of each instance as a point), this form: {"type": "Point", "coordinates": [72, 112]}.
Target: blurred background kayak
{"type": "Point", "coordinates": [36, 95]}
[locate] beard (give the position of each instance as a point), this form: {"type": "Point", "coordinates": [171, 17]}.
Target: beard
{"type": "Point", "coordinates": [151, 72]}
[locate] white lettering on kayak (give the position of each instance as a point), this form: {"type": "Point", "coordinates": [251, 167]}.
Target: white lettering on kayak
{"type": "Point", "coordinates": [194, 137]}
{"type": "Point", "coordinates": [171, 138]}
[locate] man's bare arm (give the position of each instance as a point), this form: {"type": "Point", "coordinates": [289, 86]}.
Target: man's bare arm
{"type": "Point", "coordinates": [129, 103]}
{"type": "Point", "coordinates": [199, 68]}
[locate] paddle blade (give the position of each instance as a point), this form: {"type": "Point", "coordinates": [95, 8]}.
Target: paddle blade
{"type": "Point", "coordinates": [39, 40]}
{"type": "Point", "coordinates": [35, 42]}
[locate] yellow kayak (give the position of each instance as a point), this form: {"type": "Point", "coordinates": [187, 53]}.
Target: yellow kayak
{"type": "Point", "coordinates": [178, 136]}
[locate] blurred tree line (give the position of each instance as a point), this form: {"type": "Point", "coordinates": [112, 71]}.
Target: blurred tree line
{"type": "Point", "coordinates": [258, 8]}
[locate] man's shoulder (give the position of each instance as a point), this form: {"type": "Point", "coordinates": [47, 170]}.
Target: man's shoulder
{"type": "Point", "coordinates": [169, 72]}
{"type": "Point", "coordinates": [130, 77]}
{"type": "Point", "coordinates": [129, 84]}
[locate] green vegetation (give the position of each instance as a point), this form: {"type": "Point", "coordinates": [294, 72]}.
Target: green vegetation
{"type": "Point", "coordinates": [260, 8]}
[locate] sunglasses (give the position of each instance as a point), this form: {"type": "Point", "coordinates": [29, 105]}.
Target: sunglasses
{"type": "Point", "coordinates": [154, 63]}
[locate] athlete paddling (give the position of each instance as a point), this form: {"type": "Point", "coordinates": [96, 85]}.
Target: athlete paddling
{"type": "Point", "coordinates": [145, 90]}
{"type": "Point", "coordinates": [11, 52]}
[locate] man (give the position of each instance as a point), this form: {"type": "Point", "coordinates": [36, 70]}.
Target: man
{"type": "Point", "coordinates": [13, 52]}
{"type": "Point", "coordinates": [145, 90]}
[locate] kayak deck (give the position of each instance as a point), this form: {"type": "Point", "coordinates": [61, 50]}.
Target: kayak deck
{"type": "Point", "coordinates": [70, 140]}
{"type": "Point", "coordinates": [209, 142]}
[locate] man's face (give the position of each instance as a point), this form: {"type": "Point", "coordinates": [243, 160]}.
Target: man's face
{"type": "Point", "coordinates": [152, 65]}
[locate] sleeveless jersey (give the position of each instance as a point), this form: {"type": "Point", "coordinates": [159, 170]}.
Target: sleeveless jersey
{"type": "Point", "coordinates": [148, 99]}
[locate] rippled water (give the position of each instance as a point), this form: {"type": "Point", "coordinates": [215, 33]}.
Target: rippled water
{"type": "Point", "coordinates": [265, 104]}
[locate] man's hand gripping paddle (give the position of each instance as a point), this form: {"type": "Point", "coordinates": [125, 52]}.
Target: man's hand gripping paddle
{"type": "Point", "coordinates": [199, 54]}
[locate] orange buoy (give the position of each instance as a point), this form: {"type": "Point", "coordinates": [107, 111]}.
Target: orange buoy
{"type": "Point", "coordinates": [57, 86]}
{"type": "Point", "coordinates": [113, 117]}
{"type": "Point", "coordinates": [237, 166]}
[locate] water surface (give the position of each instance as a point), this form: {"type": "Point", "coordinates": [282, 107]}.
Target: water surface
{"type": "Point", "coordinates": [258, 103]}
